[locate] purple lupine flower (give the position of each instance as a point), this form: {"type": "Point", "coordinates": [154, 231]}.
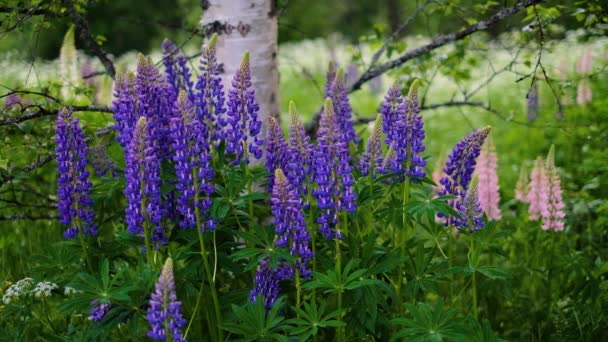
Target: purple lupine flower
{"type": "Point", "coordinates": [371, 161]}
{"type": "Point", "coordinates": [125, 104]}
{"type": "Point", "coordinates": [414, 135]}
{"type": "Point", "coordinates": [164, 313]}
{"type": "Point", "coordinates": [342, 108]}
{"type": "Point", "coordinates": [243, 125]}
{"type": "Point", "coordinates": [13, 100]}
{"type": "Point", "coordinates": [404, 131]}
{"type": "Point", "coordinates": [266, 284]}
{"type": "Point", "coordinates": [210, 101]}
{"type": "Point", "coordinates": [300, 153]}
{"type": "Point", "coordinates": [153, 97]}
{"type": "Point", "coordinates": [469, 209]}
{"type": "Point", "coordinates": [330, 76]}
{"type": "Point", "coordinates": [332, 173]}
{"type": "Point", "coordinates": [459, 169]}
{"type": "Point", "coordinates": [393, 111]}
{"type": "Point", "coordinates": [192, 162]}
{"type": "Point", "coordinates": [102, 164]}
{"type": "Point", "coordinates": [276, 150]}
{"type": "Point", "coordinates": [177, 72]}
{"type": "Point", "coordinates": [142, 174]}
{"type": "Point", "coordinates": [74, 188]}
{"type": "Point", "coordinates": [289, 221]}
{"type": "Point", "coordinates": [99, 310]}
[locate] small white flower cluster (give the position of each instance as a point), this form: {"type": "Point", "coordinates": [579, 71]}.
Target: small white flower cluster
{"type": "Point", "coordinates": [43, 289]}
{"type": "Point", "coordinates": [70, 290]}
{"type": "Point", "coordinates": [27, 287]}
{"type": "Point", "coordinates": [21, 288]}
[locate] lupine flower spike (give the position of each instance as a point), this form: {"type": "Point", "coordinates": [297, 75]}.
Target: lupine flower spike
{"type": "Point", "coordinates": [471, 214]}
{"type": "Point", "coordinates": [330, 76]}
{"type": "Point", "coordinates": [300, 153]}
{"type": "Point", "coordinates": [177, 71]}
{"type": "Point", "coordinates": [538, 190]}
{"type": "Point", "coordinates": [371, 161]}
{"type": "Point", "coordinates": [276, 150]}
{"type": "Point", "coordinates": [125, 108]}
{"type": "Point", "coordinates": [164, 313]}
{"type": "Point", "coordinates": [289, 221]}
{"type": "Point", "coordinates": [242, 133]}
{"type": "Point", "coordinates": [553, 212]}
{"type": "Point", "coordinates": [488, 187]}
{"type": "Point", "coordinates": [74, 188]}
{"type": "Point", "coordinates": [404, 131]}
{"type": "Point", "coordinates": [459, 170]}
{"type": "Point", "coordinates": [522, 186]}
{"type": "Point", "coordinates": [210, 107]}
{"type": "Point", "coordinates": [142, 173]}
{"type": "Point", "coordinates": [266, 284]}
{"type": "Point", "coordinates": [192, 160]}
{"type": "Point", "coordinates": [333, 173]}
{"type": "Point", "coordinates": [584, 67]}
{"type": "Point", "coordinates": [342, 108]}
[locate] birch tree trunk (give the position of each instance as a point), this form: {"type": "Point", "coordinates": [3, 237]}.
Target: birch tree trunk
{"type": "Point", "coordinates": [247, 25]}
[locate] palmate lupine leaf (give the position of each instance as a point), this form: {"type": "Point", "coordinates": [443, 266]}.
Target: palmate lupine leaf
{"type": "Point", "coordinates": [334, 282]}
{"type": "Point", "coordinates": [431, 323]}
{"type": "Point", "coordinates": [255, 324]}
{"type": "Point", "coordinates": [311, 319]}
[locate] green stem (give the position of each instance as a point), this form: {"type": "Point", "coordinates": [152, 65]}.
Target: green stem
{"type": "Point", "coordinates": [474, 279]}
{"type": "Point", "coordinates": [298, 289]}
{"type": "Point", "coordinates": [451, 261]}
{"type": "Point", "coordinates": [339, 273]}
{"type": "Point", "coordinates": [85, 252]}
{"type": "Point", "coordinates": [208, 274]}
{"type": "Point", "coordinates": [148, 244]}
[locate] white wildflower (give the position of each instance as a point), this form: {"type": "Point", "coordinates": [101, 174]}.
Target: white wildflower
{"type": "Point", "coordinates": [44, 288]}
{"type": "Point", "coordinates": [22, 288]}
{"type": "Point", "coordinates": [70, 290]}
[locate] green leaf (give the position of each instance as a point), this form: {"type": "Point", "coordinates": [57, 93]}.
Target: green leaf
{"type": "Point", "coordinates": [493, 272]}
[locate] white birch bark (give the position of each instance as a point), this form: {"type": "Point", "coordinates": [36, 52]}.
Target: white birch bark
{"type": "Point", "coordinates": [248, 25]}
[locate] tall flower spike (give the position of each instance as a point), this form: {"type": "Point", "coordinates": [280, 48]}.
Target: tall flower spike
{"type": "Point", "coordinates": [471, 214]}
{"type": "Point", "coordinates": [332, 173]}
{"type": "Point", "coordinates": [486, 170]}
{"type": "Point", "coordinates": [538, 195]}
{"type": "Point", "coordinates": [164, 313]}
{"type": "Point", "coordinates": [142, 174]}
{"type": "Point", "coordinates": [177, 71]}
{"type": "Point", "coordinates": [192, 160]}
{"type": "Point", "coordinates": [300, 153]}
{"type": "Point", "coordinates": [74, 188]}
{"type": "Point", "coordinates": [125, 108]}
{"type": "Point", "coordinates": [276, 150]}
{"type": "Point", "coordinates": [522, 186]}
{"type": "Point", "coordinates": [289, 221]}
{"type": "Point", "coordinates": [459, 169]}
{"type": "Point", "coordinates": [243, 125]}
{"type": "Point", "coordinates": [371, 162]}
{"type": "Point", "coordinates": [553, 213]}
{"type": "Point", "coordinates": [266, 284]}
{"type": "Point", "coordinates": [342, 108]}
{"type": "Point", "coordinates": [414, 136]}
{"type": "Point", "coordinates": [330, 76]}
{"type": "Point", "coordinates": [209, 103]}
{"type": "Point", "coordinates": [153, 103]}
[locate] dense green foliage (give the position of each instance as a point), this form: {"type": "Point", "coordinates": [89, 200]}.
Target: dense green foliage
{"type": "Point", "coordinates": [511, 280]}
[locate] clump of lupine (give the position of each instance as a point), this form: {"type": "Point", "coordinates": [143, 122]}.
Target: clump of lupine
{"type": "Point", "coordinates": [190, 173]}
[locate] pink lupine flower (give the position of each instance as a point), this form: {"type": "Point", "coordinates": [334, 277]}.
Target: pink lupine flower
{"type": "Point", "coordinates": [522, 188]}
{"type": "Point", "coordinates": [584, 67]}
{"type": "Point", "coordinates": [585, 64]}
{"type": "Point", "coordinates": [488, 194]}
{"type": "Point", "coordinates": [583, 92]}
{"type": "Point", "coordinates": [539, 190]}
{"type": "Point", "coordinates": [553, 212]}
{"type": "Point", "coordinates": [438, 172]}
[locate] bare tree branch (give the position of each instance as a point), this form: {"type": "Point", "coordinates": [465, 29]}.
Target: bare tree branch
{"type": "Point", "coordinates": [440, 41]}
{"type": "Point", "coordinates": [82, 25]}
{"type": "Point", "coordinates": [41, 111]}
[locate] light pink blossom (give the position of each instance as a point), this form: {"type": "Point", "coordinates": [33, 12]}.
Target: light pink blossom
{"type": "Point", "coordinates": [553, 212]}
{"type": "Point", "coordinates": [538, 195]}
{"type": "Point", "coordinates": [488, 187]}
{"type": "Point", "coordinates": [583, 92]}
{"type": "Point", "coordinates": [522, 188]}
